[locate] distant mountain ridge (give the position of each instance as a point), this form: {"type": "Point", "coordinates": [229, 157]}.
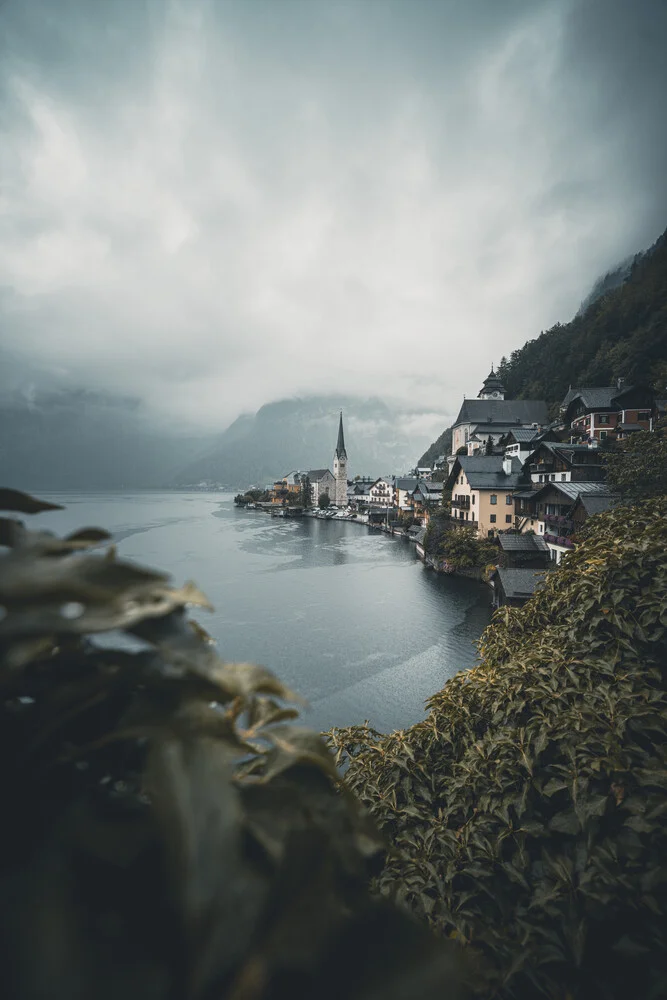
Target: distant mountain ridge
{"type": "Point", "coordinates": [301, 433]}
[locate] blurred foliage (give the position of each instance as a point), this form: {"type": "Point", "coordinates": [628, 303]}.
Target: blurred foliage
{"type": "Point", "coordinates": [621, 334]}
{"type": "Point", "coordinates": [528, 809]}
{"type": "Point", "coordinates": [167, 830]}
{"type": "Point", "coordinates": [637, 468]}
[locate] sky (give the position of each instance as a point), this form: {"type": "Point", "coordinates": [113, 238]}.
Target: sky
{"type": "Point", "coordinates": [212, 205]}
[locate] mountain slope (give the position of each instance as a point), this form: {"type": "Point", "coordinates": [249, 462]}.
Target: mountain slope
{"type": "Point", "coordinates": [301, 434]}
{"type": "Point", "coordinates": [623, 333]}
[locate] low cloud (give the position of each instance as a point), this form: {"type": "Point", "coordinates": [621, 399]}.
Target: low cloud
{"type": "Point", "coordinates": [213, 205]}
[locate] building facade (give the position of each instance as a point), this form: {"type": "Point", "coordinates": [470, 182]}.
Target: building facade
{"type": "Point", "coordinates": [482, 492]}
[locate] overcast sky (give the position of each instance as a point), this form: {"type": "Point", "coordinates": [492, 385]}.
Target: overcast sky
{"type": "Point", "coordinates": [216, 204]}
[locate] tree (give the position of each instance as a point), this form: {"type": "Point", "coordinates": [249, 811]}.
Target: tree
{"type": "Point", "coordinates": [488, 447]}
{"type": "Point", "coordinates": [323, 501]}
{"type": "Point", "coordinates": [305, 494]}
{"type": "Point", "coordinates": [638, 469]}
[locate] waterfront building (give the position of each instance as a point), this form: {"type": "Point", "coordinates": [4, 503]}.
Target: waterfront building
{"type": "Point", "coordinates": [340, 468]}
{"type": "Point", "coordinates": [482, 491]}
{"type": "Point", "coordinates": [321, 482]}
{"type": "Point", "coordinates": [549, 511]}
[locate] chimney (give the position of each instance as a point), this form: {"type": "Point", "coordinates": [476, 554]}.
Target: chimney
{"type": "Point", "coordinates": [620, 382]}
{"type": "Point", "coordinates": [507, 466]}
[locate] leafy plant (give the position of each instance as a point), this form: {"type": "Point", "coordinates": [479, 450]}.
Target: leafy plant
{"type": "Point", "coordinates": [167, 830]}
{"type": "Point", "coordinates": [527, 811]}
{"type": "Point", "coordinates": [638, 469]}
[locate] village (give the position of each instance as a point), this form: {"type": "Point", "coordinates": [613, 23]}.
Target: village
{"type": "Point", "coordinates": [515, 478]}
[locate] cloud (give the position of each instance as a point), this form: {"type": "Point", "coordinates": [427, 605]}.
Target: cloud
{"type": "Point", "coordinates": [211, 205]}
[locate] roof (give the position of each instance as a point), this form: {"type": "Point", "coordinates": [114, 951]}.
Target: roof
{"type": "Point", "coordinates": [595, 397]}
{"type": "Point", "coordinates": [407, 483]}
{"type": "Point", "coordinates": [493, 381]}
{"type": "Point", "coordinates": [574, 490]}
{"type": "Point", "coordinates": [340, 444]}
{"type": "Point", "coordinates": [526, 494]}
{"type": "Point", "coordinates": [503, 411]}
{"type": "Point", "coordinates": [521, 434]}
{"type": "Point", "coordinates": [521, 582]}
{"type": "Point", "coordinates": [485, 472]}
{"type": "Point", "coordinates": [316, 474]}
{"type": "Point", "coordinates": [522, 543]}
{"type": "Point", "coordinates": [631, 427]}
{"type": "Point", "coordinates": [597, 505]}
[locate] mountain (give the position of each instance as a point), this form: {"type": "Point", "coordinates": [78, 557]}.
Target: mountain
{"type": "Point", "coordinates": [79, 440]}
{"type": "Point", "coordinates": [622, 333]}
{"type": "Point", "coordinates": [301, 434]}
{"type": "Point", "coordinates": [619, 332]}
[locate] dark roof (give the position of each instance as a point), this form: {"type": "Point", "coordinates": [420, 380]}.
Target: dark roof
{"type": "Point", "coordinates": [521, 582]}
{"type": "Point", "coordinates": [521, 434]}
{"type": "Point", "coordinates": [340, 444]}
{"type": "Point", "coordinates": [315, 474]}
{"type": "Point", "coordinates": [631, 427]}
{"type": "Point", "coordinates": [526, 494]}
{"type": "Point", "coordinates": [485, 472]}
{"type": "Point", "coordinates": [602, 397]}
{"type": "Point", "coordinates": [574, 490]}
{"type": "Point", "coordinates": [597, 505]}
{"type": "Point", "coordinates": [407, 483]}
{"type": "Point", "coordinates": [503, 411]}
{"type": "Point", "coordinates": [522, 543]}
{"type": "Point", "coordinates": [492, 382]}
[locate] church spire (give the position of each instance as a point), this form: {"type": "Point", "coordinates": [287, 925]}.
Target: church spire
{"type": "Point", "coordinates": [340, 446]}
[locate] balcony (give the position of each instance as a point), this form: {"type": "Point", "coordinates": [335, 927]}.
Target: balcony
{"type": "Point", "coordinates": [560, 521]}
{"type": "Point", "coordinates": [462, 504]}
{"type": "Point", "coordinates": [561, 540]}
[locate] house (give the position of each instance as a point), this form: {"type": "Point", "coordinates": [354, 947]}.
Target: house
{"type": "Point", "coordinates": [425, 497]}
{"type": "Point", "coordinates": [286, 490]}
{"type": "Point", "coordinates": [492, 416]}
{"type": "Point", "coordinates": [423, 472]}
{"type": "Point", "coordinates": [523, 552]}
{"type": "Point", "coordinates": [403, 489]}
{"type": "Point", "coordinates": [515, 586]}
{"type": "Point", "coordinates": [482, 490]}
{"type": "Point", "coordinates": [559, 461]}
{"type": "Point", "coordinates": [381, 492]}
{"type": "Point", "coordinates": [613, 411]}
{"type": "Point", "coordinates": [548, 512]}
{"type": "Point", "coordinates": [321, 482]}
{"type": "Point", "coordinates": [587, 504]}
{"type": "Point", "coordinates": [521, 442]}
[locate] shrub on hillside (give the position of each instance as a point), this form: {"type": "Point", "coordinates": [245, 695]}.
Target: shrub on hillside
{"type": "Point", "coordinates": [528, 809]}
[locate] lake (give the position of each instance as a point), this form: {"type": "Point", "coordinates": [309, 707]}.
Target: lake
{"type": "Point", "coordinates": [346, 616]}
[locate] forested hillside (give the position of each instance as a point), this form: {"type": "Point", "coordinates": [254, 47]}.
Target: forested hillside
{"type": "Point", "coordinates": [623, 333]}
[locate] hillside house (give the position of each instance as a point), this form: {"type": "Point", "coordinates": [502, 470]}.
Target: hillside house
{"type": "Point", "coordinates": [548, 512]}
{"type": "Point", "coordinates": [491, 416]}
{"type": "Point", "coordinates": [558, 461]}
{"type": "Point", "coordinates": [514, 587]}
{"type": "Point", "coordinates": [523, 552]}
{"type": "Point", "coordinates": [614, 411]}
{"type": "Point", "coordinates": [482, 491]}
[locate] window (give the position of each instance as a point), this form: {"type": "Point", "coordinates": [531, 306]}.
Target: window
{"type": "Point", "coordinates": [508, 499]}
{"type": "Point", "coordinates": [493, 519]}
{"type": "Point", "coordinates": [494, 498]}
{"type": "Point", "coordinates": [490, 533]}
{"type": "Point", "coordinates": [603, 435]}
{"type": "Point", "coordinates": [604, 418]}
{"type": "Point", "coordinates": [508, 518]}
{"type": "Point", "coordinates": [643, 415]}
{"type": "Point", "coordinates": [562, 476]}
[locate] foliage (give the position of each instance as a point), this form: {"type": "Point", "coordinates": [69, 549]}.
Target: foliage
{"type": "Point", "coordinates": [460, 546]}
{"type": "Point", "coordinates": [528, 809]}
{"type": "Point", "coordinates": [306, 493]}
{"type": "Point", "coordinates": [323, 501]}
{"type": "Point", "coordinates": [621, 334]}
{"type": "Point", "coordinates": [168, 832]}
{"type": "Point", "coordinates": [251, 496]}
{"type": "Point", "coordinates": [639, 468]}
{"type": "Point", "coordinates": [442, 446]}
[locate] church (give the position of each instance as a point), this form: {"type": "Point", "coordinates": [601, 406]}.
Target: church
{"type": "Point", "coordinates": [492, 416]}
{"type": "Point", "coordinates": [340, 468]}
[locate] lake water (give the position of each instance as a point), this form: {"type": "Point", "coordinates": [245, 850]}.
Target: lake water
{"type": "Point", "coordinates": [346, 616]}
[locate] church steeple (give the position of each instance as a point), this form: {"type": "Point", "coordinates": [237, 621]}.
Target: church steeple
{"type": "Point", "coordinates": [340, 467]}
{"type": "Point", "coordinates": [340, 445]}
{"type": "Point", "coordinates": [492, 387]}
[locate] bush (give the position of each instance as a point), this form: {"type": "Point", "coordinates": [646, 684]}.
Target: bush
{"type": "Point", "coordinates": [528, 809]}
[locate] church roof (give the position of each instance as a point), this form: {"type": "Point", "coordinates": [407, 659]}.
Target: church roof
{"type": "Point", "coordinates": [493, 382]}
{"type": "Point", "coordinates": [503, 411]}
{"type": "Point", "coordinates": [340, 444]}
{"type": "Point", "coordinates": [316, 474]}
